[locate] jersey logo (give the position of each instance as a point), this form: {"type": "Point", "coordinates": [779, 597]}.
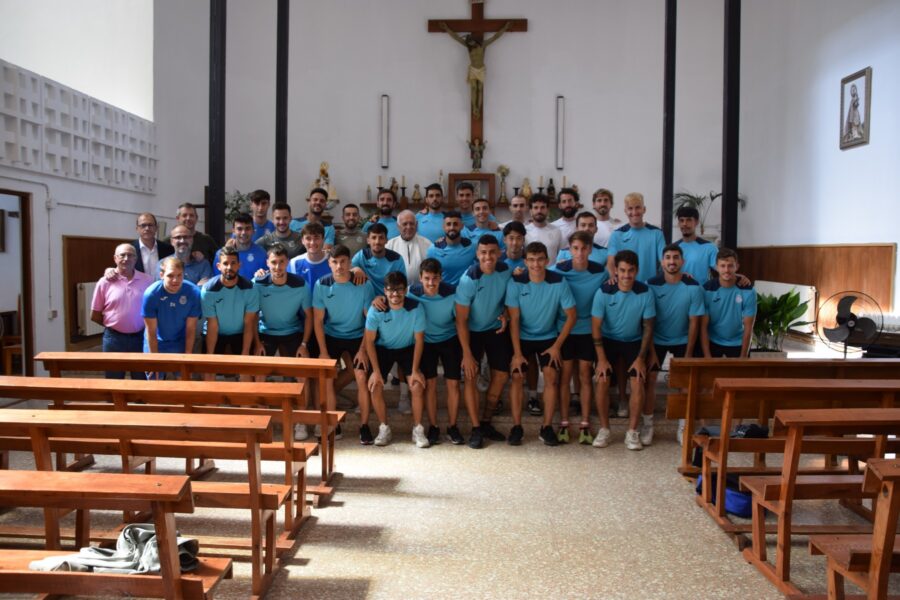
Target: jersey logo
{"type": "Point", "coordinates": [738, 299]}
{"type": "Point", "coordinates": [217, 299]}
{"type": "Point", "coordinates": [183, 300]}
{"type": "Point", "coordinates": [163, 298]}
{"type": "Point", "coordinates": [716, 299]}
{"type": "Point", "coordinates": [250, 258]}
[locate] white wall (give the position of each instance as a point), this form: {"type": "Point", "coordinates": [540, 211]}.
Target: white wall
{"type": "Point", "coordinates": [11, 259]}
{"type": "Point", "coordinates": [103, 48]}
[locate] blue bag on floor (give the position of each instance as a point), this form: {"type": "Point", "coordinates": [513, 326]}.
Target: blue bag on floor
{"type": "Point", "coordinates": [737, 503]}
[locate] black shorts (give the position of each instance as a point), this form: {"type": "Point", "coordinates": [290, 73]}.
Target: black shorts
{"type": "Point", "coordinates": [718, 351]}
{"type": "Point", "coordinates": [617, 351]}
{"type": "Point", "coordinates": [579, 347]}
{"type": "Point", "coordinates": [449, 352]}
{"type": "Point", "coordinates": [535, 348]}
{"type": "Point", "coordinates": [284, 345]}
{"type": "Point", "coordinates": [662, 351]}
{"type": "Point", "coordinates": [497, 345]}
{"type": "Point", "coordinates": [388, 356]}
{"type": "Point", "coordinates": [229, 344]}
{"type": "Point", "coordinates": [338, 346]}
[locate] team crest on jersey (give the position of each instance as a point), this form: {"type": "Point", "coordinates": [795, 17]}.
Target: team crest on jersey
{"type": "Point", "coordinates": [182, 300]}
{"type": "Point", "coordinates": [250, 258]}
{"type": "Point", "coordinates": [738, 299]}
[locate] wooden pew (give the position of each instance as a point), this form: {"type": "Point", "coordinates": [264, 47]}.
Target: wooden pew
{"type": "Point", "coordinates": [691, 382]}
{"type": "Point", "coordinates": [153, 434]}
{"type": "Point", "coordinates": [316, 369]}
{"type": "Point", "coordinates": [161, 495]}
{"type": "Point", "coordinates": [867, 560]}
{"type": "Point", "coordinates": [777, 494]}
{"type": "Point", "coordinates": [759, 399]}
{"type": "Point", "coordinates": [217, 397]}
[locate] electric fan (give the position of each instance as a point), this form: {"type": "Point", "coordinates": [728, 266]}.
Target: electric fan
{"type": "Point", "coordinates": [849, 319]}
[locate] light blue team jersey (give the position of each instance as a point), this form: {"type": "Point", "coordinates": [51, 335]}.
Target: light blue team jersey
{"type": "Point", "coordinates": [390, 222]}
{"type": "Point", "coordinates": [228, 304]}
{"type": "Point", "coordinates": [513, 263]}
{"type": "Point", "coordinates": [440, 311]}
{"type": "Point", "coordinates": [485, 295]}
{"type": "Point", "coordinates": [584, 285]}
{"type": "Point", "coordinates": [647, 242]}
{"type": "Point", "coordinates": [474, 233]}
{"type": "Point", "coordinates": [283, 307]}
{"type": "Point", "coordinates": [598, 255]}
{"type": "Point", "coordinates": [454, 258]}
{"type": "Point", "coordinates": [171, 311]}
{"type": "Point", "coordinates": [541, 305]}
{"type": "Point", "coordinates": [699, 258]}
{"type": "Point", "coordinates": [344, 305]}
{"type": "Point", "coordinates": [468, 219]}
{"type": "Point", "coordinates": [311, 272]}
{"type": "Point", "coordinates": [623, 313]}
{"type": "Point", "coordinates": [675, 304]}
{"type": "Point", "coordinates": [261, 230]}
{"type": "Point", "coordinates": [252, 259]}
{"type": "Point", "coordinates": [376, 268]}
{"type": "Point", "coordinates": [396, 328]}
{"type": "Point", "coordinates": [297, 225]}
{"type": "Point", "coordinates": [431, 226]}
{"type": "Point", "coordinates": [727, 307]}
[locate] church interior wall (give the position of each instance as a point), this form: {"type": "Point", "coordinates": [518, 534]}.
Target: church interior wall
{"type": "Point", "coordinates": [10, 258]}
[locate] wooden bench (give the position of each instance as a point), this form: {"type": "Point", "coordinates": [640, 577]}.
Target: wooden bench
{"type": "Point", "coordinates": [134, 433]}
{"type": "Point", "coordinates": [319, 370]}
{"type": "Point", "coordinates": [216, 397]}
{"type": "Point", "coordinates": [759, 399]}
{"type": "Point", "coordinates": [691, 382]}
{"type": "Point", "coordinates": [777, 495]}
{"type": "Point", "coordinates": [161, 495]}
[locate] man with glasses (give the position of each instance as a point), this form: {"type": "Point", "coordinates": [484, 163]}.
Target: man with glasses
{"type": "Point", "coordinates": [195, 271]}
{"type": "Point", "coordinates": [148, 250]}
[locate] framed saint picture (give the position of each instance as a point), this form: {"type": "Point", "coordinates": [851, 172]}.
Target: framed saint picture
{"type": "Point", "coordinates": [856, 105]}
{"type": "Point", "coordinates": [484, 184]}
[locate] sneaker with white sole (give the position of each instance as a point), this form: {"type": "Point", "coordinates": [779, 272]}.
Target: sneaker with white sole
{"type": "Point", "coordinates": [301, 432]}
{"type": "Point", "coordinates": [679, 435]}
{"type": "Point", "coordinates": [404, 407]}
{"type": "Point", "coordinates": [601, 440]}
{"type": "Point", "coordinates": [384, 435]}
{"type": "Point", "coordinates": [646, 436]}
{"type": "Point", "coordinates": [419, 438]}
{"type": "Point", "coordinates": [622, 410]}
{"type": "Point", "coordinates": [633, 440]}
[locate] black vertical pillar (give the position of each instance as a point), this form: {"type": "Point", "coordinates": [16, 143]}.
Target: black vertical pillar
{"type": "Point", "coordinates": [668, 163]}
{"type": "Point", "coordinates": [215, 201]}
{"type": "Point", "coordinates": [281, 99]}
{"type": "Point", "coordinates": [731, 122]}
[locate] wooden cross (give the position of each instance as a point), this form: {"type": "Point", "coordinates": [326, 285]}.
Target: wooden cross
{"type": "Point", "coordinates": [477, 26]}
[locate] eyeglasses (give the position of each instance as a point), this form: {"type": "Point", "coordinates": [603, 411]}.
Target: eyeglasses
{"type": "Point", "coordinates": [394, 290]}
{"type": "Point", "coordinates": [126, 255]}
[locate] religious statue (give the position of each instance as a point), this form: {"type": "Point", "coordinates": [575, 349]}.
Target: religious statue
{"type": "Point", "coordinates": [476, 75]}
{"type": "Point", "coordinates": [417, 194]}
{"type": "Point", "coordinates": [853, 123]}
{"type": "Point", "coordinates": [476, 151]}
{"type": "Point", "coordinates": [322, 180]}
{"type": "Point", "coordinates": [526, 189]}
{"type": "Point", "coordinates": [395, 187]}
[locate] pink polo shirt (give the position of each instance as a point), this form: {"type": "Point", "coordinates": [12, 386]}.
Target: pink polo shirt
{"type": "Point", "coordinates": [120, 301]}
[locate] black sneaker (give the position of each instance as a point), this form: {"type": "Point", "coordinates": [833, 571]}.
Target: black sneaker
{"type": "Point", "coordinates": [515, 436]}
{"type": "Point", "coordinates": [454, 435]}
{"type": "Point", "coordinates": [338, 432]}
{"type": "Point", "coordinates": [499, 408]}
{"type": "Point", "coordinates": [488, 431]}
{"type": "Point", "coordinates": [534, 407]}
{"type": "Point", "coordinates": [434, 435]}
{"type": "Point", "coordinates": [365, 435]}
{"type": "Point", "coordinates": [476, 438]}
{"type": "Point", "coordinates": [548, 436]}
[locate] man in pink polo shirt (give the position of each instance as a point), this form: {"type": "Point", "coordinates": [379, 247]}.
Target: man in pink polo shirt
{"type": "Point", "coordinates": [117, 306]}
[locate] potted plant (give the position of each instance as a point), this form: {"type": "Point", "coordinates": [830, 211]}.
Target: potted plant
{"type": "Point", "coordinates": [774, 316]}
{"type": "Point", "coordinates": [702, 204]}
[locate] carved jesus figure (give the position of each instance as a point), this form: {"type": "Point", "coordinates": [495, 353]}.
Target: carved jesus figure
{"type": "Point", "coordinates": [476, 75]}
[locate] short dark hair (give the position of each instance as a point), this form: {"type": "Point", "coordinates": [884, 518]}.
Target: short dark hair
{"type": "Point", "coordinates": [452, 214]}
{"type": "Point", "coordinates": [186, 205]}
{"type": "Point", "coordinates": [585, 214]}
{"type": "Point", "coordinates": [387, 190]}
{"type": "Point", "coordinates": [536, 248]}
{"type": "Point", "coordinates": [628, 257]}
{"type": "Point", "coordinates": [673, 248]}
{"type": "Point", "coordinates": [377, 228]}
{"type": "Point", "coordinates": [431, 265]}
{"type": "Point", "coordinates": [465, 185]}
{"type": "Point", "coordinates": [276, 249]}
{"type": "Point", "coordinates": [688, 212]}
{"type": "Point", "coordinates": [726, 253]}
{"type": "Point", "coordinates": [488, 240]}
{"type": "Point", "coordinates": [351, 205]}
{"type": "Point", "coordinates": [603, 192]}
{"type": "Point", "coordinates": [243, 219]}
{"type": "Point", "coordinates": [582, 236]}
{"type": "Point", "coordinates": [571, 191]}
{"type": "Point", "coordinates": [514, 227]}
{"type": "Point", "coordinates": [477, 200]}
{"type": "Point", "coordinates": [434, 186]}
{"type": "Point", "coordinates": [395, 278]}
{"type": "Point", "coordinates": [318, 190]}
{"type": "Point", "coordinates": [281, 206]}
{"type": "Point", "coordinates": [538, 198]}
{"type": "Point", "coordinates": [258, 196]}
{"type": "Point", "coordinates": [312, 229]}
{"type": "Point", "coordinates": [229, 251]}
{"type": "Point", "coordinates": [339, 250]}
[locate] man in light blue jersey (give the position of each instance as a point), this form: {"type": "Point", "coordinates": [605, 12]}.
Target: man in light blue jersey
{"type": "Point", "coordinates": [727, 326]}
{"type": "Point", "coordinates": [313, 264]}
{"type": "Point", "coordinates": [679, 307]}
{"type": "Point", "coordinates": [386, 201]}
{"type": "Point", "coordinates": [587, 221]}
{"type": "Point", "coordinates": [465, 198]}
{"type": "Point", "coordinates": [481, 321]}
{"type": "Point", "coordinates": [643, 239]}
{"type": "Point", "coordinates": [699, 254]}
{"type": "Point", "coordinates": [170, 309]}
{"type": "Point", "coordinates": [622, 326]}
{"type": "Point", "coordinates": [431, 220]}
{"type": "Point", "coordinates": [376, 261]}
{"type": "Point", "coordinates": [438, 299]}
{"type": "Point", "coordinates": [514, 240]}
{"type": "Point", "coordinates": [251, 257]}
{"type": "Point", "coordinates": [584, 277]}
{"type": "Point", "coordinates": [396, 335]}
{"type": "Point", "coordinates": [481, 208]}
{"type": "Point", "coordinates": [339, 319]}
{"type": "Point", "coordinates": [455, 253]}
{"type": "Point", "coordinates": [541, 316]}
{"type": "Point", "coordinates": [317, 202]}
{"type": "Point", "coordinates": [259, 210]}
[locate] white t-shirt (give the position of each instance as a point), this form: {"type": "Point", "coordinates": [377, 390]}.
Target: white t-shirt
{"type": "Point", "coordinates": [566, 228]}
{"type": "Point", "coordinates": [604, 230]}
{"type": "Point", "coordinates": [549, 235]}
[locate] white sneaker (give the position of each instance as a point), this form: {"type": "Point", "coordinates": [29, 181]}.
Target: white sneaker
{"type": "Point", "coordinates": [418, 437]}
{"type": "Point", "coordinates": [622, 410]}
{"type": "Point", "coordinates": [601, 440]}
{"type": "Point", "coordinates": [404, 406]}
{"type": "Point", "coordinates": [633, 440]}
{"type": "Point", "coordinates": [300, 432]}
{"type": "Point", "coordinates": [384, 435]}
{"type": "Point", "coordinates": [679, 435]}
{"type": "Point", "coordinates": [646, 435]}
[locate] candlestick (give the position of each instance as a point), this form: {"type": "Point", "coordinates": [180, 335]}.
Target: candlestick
{"type": "Point", "coordinates": [541, 182]}
{"type": "Point", "coordinates": [403, 181]}
{"type": "Point", "coordinates": [379, 182]}
{"type": "Point", "coordinates": [564, 181]}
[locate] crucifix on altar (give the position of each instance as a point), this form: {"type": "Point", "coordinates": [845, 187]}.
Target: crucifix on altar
{"type": "Point", "coordinates": [475, 45]}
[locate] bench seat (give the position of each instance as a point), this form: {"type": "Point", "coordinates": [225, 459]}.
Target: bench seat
{"type": "Point", "coordinates": [767, 488]}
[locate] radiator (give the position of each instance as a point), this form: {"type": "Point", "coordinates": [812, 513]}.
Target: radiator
{"type": "Point", "coordinates": [84, 294]}
{"type": "Point", "coordinates": [807, 292]}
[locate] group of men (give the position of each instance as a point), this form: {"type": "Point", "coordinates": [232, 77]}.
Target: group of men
{"type": "Point", "coordinates": [581, 301]}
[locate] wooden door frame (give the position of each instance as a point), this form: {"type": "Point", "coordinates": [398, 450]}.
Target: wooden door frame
{"type": "Point", "coordinates": [27, 283]}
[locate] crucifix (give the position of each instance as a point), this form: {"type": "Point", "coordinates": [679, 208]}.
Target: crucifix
{"type": "Point", "coordinates": [475, 45]}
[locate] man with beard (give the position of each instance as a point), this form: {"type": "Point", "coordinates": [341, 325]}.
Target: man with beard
{"type": "Point", "coordinates": [376, 261]}
{"type": "Point", "coordinates": [259, 209]}
{"type": "Point", "coordinates": [410, 245]}
{"type": "Point", "coordinates": [586, 221]}
{"type": "Point", "coordinates": [539, 230]}
{"type": "Point", "coordinates": [318, 200]}
{"type": "Point", "coordinates": [699, 254]}
{"type": "Point", "coordinates": [205, 246]}
{"type": "Point", "coordinates": [431, 220]}
{"type": "Point", "coordinates": [230, 307]}
{"type": "Point", "coordinates": [481, 208]}
{"type": "Point", "coordinates": [195, 271]}
{"type": "Point", "coordinates": [386, 202]}
{"type": "Point", "coordinates": [454, 252]}
{"type": "Point", "coordinates": [287, 239]}
{"type": "Point", "coordinates": [170, 309]}
{"type": "Point", "coordinates": [351, 235]}
{"type": "Point", "coordinates": [251, 256]}
{"type": "Point", "coordinates": [568, 206]}
{"type": "Point", "coordinates": [518, 209]}
{"type": "Point", "coordinates": [603, 203]}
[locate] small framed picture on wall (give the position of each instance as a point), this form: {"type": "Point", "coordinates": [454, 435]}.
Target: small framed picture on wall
{"type": "Point", "coordinates": [856, 104]}
{"type": "Point", "coordinates": [483, 185]}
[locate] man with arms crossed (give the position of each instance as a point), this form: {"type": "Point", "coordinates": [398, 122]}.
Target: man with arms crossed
{"type": "Point", "coordinates": [727, 326]}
